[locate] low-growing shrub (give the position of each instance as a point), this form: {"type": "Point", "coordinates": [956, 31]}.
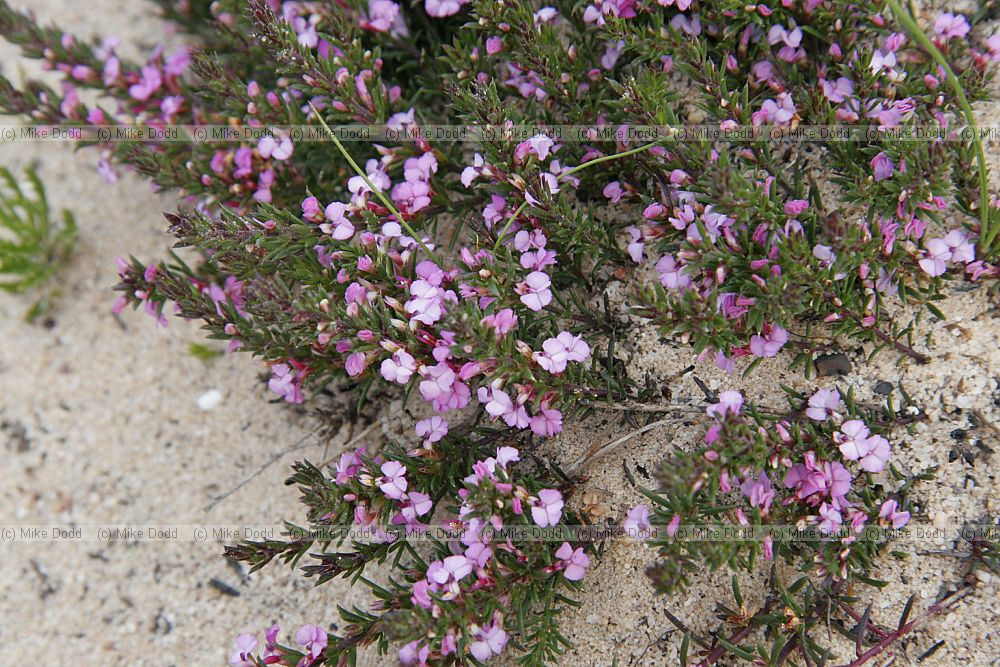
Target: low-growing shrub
{"type": "Point", "coordinates": [472, 201]}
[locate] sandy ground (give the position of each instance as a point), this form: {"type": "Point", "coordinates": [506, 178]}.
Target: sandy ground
{"type": "Point", "coordinates": [99, 424]}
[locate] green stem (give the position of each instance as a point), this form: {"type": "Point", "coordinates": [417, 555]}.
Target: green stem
{"type": "Point", "coordinates": [987, 234]}
{"type": "Point", "coordinates": [570, 172]}
{"type": "Point", "coordinates": [371, 186]}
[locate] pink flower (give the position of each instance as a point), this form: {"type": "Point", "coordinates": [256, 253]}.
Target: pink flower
{"type": "Point", "coordinates": [313, 638]}
{"type": "Point", "coordinates": [824, 404]}
{"type": "Point", "coordinates": [889, 514]}
{"type": "Point", "coordinates": [383, 16]}
{"type": "Point", "coordinates": [547, 422]}
{"type": "Point", "coordinates": [556, 352]}
{"type": "Point", "coordinates": [432, 429]}
{"type": "Point", "coordinates": [814, 480]}
{"type": "Point", "coordinates": [495, 210]}
{"type": "Point", "coordinates": [547, 510]}
{"type": "Point", "coordinates": [413, 654]}
{"type": "Point", "coordinates": [411, 196]}
{"type": "Point", "coordinates": [245, 644]}
{"type": "Point", "coordinates": [769, 342]}
{"type": "Point", "coordinates": [494, 45]}
{"type": "Point", "coordinates": [348, 466]}
{"type": "Point", "coordinates": [636, 245]}
{"type": "Point", "coordinates": [355, 364]}
{"type": "Point", "coordinates": [277, 149]}
{"type": "Point", "coordinates": [443, 8]}
{"type": "Point", "coordinates": [962, 249]}
{"type": "Point", "coordinates": [445, 575]}
{"type": "Point", "coordinates": [853, 439]}
{"type": "Point", "coordinates": [759, 491]}
{"type": "Point", "coordinates": [637, 521]}
{"type": "Point", "coordinates": [882, 167]}
{"type": "Point", "coordinates": [730, 402]}
{"type": "Point", "coordinates": [831, 521]}
{"type": "Point", "coordinates": [936, 254]}
{"type": "Point", "coordinates": [538, 145]}
{"type": "Point", "coordinates": [951, 26]}
{"type": "Point", "coordinates": [879, 451]}
{"type": "Point", "coordinates": [614, 191]}
{"type": "Point", "coordinates": [149, 84]}
{"type": "Point", "coordinates": [573, 561]}
{"type": "Point", "coordinates": [502, 322]}
{"type": "Point", "coordinates": [534, 291]}
{"type": "Point", "coordinates": [426, 304]}
{"type": "Point", "coordinates": [443, 389]}
{"type": "Point", "coordinates": [673, 275]}
{"type": "Point", "coordinates": [393, 480]}
{"type": "Point", "coordinates": [286, 383]}
{"type": "Point", "coordinates": [399, 367]}
{"type": "Point", "coordinates": [773, 112]}
{"type": "Point", "coordinates": [338, 226]}
{"type": "Point", "coordinates": [488, 641]}
{"type": "Point", "coordinates": [838, 91]}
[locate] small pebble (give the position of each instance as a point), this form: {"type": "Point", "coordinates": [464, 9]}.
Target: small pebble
{"type": "Point", "coordinates": [983, 576]}
{"type": "Point", "coordinates": [210, 400]}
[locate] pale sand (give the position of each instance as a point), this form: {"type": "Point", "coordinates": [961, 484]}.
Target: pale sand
{"type": "Point", "coordinates": [112, 434]}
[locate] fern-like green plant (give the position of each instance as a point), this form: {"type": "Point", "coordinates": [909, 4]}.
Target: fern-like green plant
{"type": "Point", "coordinates": [33, 245]}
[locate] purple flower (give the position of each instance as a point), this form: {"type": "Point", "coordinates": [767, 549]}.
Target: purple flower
{"type": "Point", "coordinates": [393, 481]}
{"type": "Point", "coordinates": [313, 638]}
{"type": "Point", "coordinates": [337, 225]}
{"type": "Point", "coordinates": [245, 644]}
{"type": "Point", "coordinates": [824, 404]}
{"type": "Point", "coordinates": [882, 167]}
{"type": "Point", "coordinates": [443, 389]}
{"type": "Point", "coordinates": [769, 342]}
{"type": "Point", "coordinates": [636, 245]}
{"type": "Point", "coordinates": [494, 45]}
{"type": "Point", "coordinates": [573, 561]}
{"type": "Point", "coordinates": [614, 191]}
{"type": "Point", "coordinates": [547, 510]}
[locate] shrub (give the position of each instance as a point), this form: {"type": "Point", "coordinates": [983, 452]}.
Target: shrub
{"type": "Point", "coordinates": [664, 160]}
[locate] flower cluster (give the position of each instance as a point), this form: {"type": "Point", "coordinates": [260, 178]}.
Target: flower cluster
{"type": "Point", "coordinates": [456, 604]}
{"type": "Point", "coordinates": [814, 468]}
